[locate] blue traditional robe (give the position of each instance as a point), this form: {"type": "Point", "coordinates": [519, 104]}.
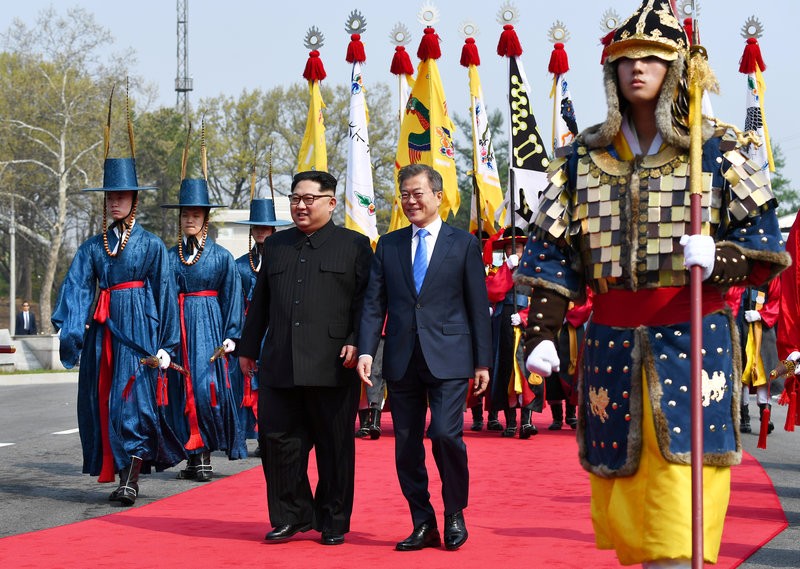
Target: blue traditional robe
{"type": "Point", "coordinates": [142, 319]}
{"type": "Point", "coordinates": [208, 320]}
{"type": "Point", "coordinates": [247, 416]}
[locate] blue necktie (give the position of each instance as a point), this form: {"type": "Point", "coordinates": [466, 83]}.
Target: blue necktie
{"type": "Point", "coordinates": [420, 258]}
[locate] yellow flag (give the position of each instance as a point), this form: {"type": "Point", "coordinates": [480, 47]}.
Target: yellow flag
{"type": "Point", "coordinates": [426, 136]}
{"type": "Point", "coordinates": [484, 164]}
{"type": "Point", "coordinates": [313, 154]}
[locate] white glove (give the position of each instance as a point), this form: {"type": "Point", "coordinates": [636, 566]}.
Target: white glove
{"type": "Point", "coordinates": [163, 359]}
{"type": "Point", "coordinates": [752, 315]}
{"type": "Point", "coordinates": [229, 345]}
{"type": "Point", "coordinates": [491, 311]}
{"type": "Point", "coordinates": [543, 359]}
{"type": "Point", "coordinates": [512, 261]}
{"type": "Point", "coordinates": [699, 250]}
{"type": "Point", "coordinates": [515, 319]}
{"type": "Point", "coordinates": [794, 356]}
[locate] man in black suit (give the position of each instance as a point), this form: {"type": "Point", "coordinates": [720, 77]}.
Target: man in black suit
{"type": "Point", "coordinates": [308, 300]}
{"type": "Point", "coordinates": [429, 279]}
{"type": "Point", "coordinates": [26, 321]}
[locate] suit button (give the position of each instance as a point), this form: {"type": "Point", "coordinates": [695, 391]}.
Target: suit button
{"type": "Point", "coordinates": [297, 302]}
{"type": "Point", "coordinates": [299, 280]}
{"type": "Point", "coordinates": [418, 306]}
{"type": "Point", "coordinates": [297, 324]}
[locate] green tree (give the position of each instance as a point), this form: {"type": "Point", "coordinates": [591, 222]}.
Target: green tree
{"type": "Point", "coordinates": [788, 198]}
{"type": "Point", "coordinates": [53, 80]}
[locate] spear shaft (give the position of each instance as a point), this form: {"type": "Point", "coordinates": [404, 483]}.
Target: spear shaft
{"type": "Point", "coordinates": [696, 298]}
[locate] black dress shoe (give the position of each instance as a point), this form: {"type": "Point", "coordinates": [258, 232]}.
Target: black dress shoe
{"type": "Point", "coordinates": [332, 538]}
{"type": "Point", "coordinates": [527, 430]}
{"type": "Point", "coordinates": [455, 531]}
{"type": "Point", "coordinates": [424, 535]}
{"type": "Point", "coordinates": [281, 533]}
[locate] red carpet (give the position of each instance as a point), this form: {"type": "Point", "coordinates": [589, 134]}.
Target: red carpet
{"type": "Point", "coordinates": [529, 507]}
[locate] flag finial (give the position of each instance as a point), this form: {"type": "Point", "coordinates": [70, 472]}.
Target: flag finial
{"type": "Point", "coordinates": [428, 15]}
{"type": "Point", "coordinates": [313, 41]}
{"type": "Point", "coordinates": [355, 25]}
{"type": "Point", "coordinates": [401, 62]}
{"type": "Point", "coordinates": [558, 36]}
{"type": "Point", "coordinates": [751, 58]}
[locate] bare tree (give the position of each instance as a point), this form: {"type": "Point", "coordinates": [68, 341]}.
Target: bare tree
{"type": "Point", "coordinates": [54, 83]}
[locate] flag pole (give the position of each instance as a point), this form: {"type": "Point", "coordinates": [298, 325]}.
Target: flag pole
{"type": "Point", "coordinates": [697, 59]}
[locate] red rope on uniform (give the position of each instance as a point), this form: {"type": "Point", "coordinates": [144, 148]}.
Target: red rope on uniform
{"type": "Point", "coordinates": [195, 439]}
{"type": "Point", "coordinates": [101, 314]}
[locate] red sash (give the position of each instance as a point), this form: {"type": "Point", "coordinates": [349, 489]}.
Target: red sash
{"type": "Point", "coordinates": [101, 314]}
{"type": "Point", "coordinates": [195, 439]}
{"type": "Point", "coordinates": [651, 307]}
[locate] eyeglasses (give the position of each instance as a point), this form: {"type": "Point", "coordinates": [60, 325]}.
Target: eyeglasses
{"type": "Point", "coordinates": [307, 199]}
{"type": "Point", "coordinates": [405, 196]}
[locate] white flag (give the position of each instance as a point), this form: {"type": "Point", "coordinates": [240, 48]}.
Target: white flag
{"type": "Point", "coordinates": [359, 189]}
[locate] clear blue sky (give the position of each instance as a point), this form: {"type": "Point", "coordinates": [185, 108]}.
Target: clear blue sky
{"type": "Point", "coordinates": [247, 44]}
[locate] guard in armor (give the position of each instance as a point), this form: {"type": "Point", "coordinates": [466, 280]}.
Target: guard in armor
{"type": "Point", "coordinates": [616, 217]}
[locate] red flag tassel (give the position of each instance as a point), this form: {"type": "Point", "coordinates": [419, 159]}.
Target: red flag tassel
{"type": "Point", "coordinates": [355, 50]}
{"type": "Point", "coordinates": [429, 45]}
{"type": "Point", "coordinates": [469, 53]}
{"type": "Point", "coordinates": [606, 41]}
{"type": "Point", "coordinates": [213, 394]}
{"type": "Point", "coordinates": [401, 63]}
{"type": "Point", "coordinates": [762, 434]}
{"type": "Point", "coordinates": [751, 58]}
{"type": "Point", "coordinates": [688, 27]}
{"type": "Point", "coordinates": [126, 393]}
{"type": "Point", "coordinates": [314, 70]}
{"type": "Point", "coordinates": [160, 390]}
{"type": "Point", "coordinates": [509, 45]}
{"type": "Point", "coordinates": [791, 415]}
{"type": "Point", "coordinates": [559, 62]}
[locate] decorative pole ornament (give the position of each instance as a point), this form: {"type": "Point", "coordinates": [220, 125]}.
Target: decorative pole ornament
{"type": "Point", "coordinates": [313, 152]}
{"type": "Point", "coordinates": [565, 125]}
{"type": "Point", "coordinates": [428, 15]}
{"type": "Point", "coordinates": [355, 25]}
{"type": "Point", "coordinates": [609, 22]}
{"type": "Point", "coordinates": [508, 14]}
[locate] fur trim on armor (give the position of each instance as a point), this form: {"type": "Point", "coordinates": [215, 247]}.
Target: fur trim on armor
{"type": "Point", "coordinates": [674, 87]}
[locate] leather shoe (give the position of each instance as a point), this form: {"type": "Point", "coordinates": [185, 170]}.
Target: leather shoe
{"type": "Point", "coordinates": [332, 538]}
{"type": "Point", "coordinates": [455, 531]}
{"type": "Point", "coordinates": [281, 533]}
{"type": "Point", "coordinates": [425, 534]}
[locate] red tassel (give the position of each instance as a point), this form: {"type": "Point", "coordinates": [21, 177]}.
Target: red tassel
{"type": "Point", "coordinates": [355, 50]}
{"type": "Point", "coordinates": [488, 248]}
{"type": "Point", "coordinates": [126, 393]}
{"type": "Point", "coordinates": [314, 70]}
{"type": "Point", "coordinates": [509, 45]}
{"type": "Point", "coordinates": [762, 433]}
{"type": "Point", "coordinates": [688, 27]}
{"type": "Point", "coordinates": [751, 58]}
{"type": "Point", "coordinates": [606, 41]}
{"type": "Point", "coordinates": [469, 53]}
{"type": "Point", "coordinates": [401, 63]}
{"type": "Point", "coordinates": [559, 62]}
{"type": "Point", "coordinates": [429, 45]}
{"type": "Point", "coordinates": [213, 394]}
{"type": "Point", "coordinates": [791, 414]}
{"type": "Point", "coordinates": [160, 391]}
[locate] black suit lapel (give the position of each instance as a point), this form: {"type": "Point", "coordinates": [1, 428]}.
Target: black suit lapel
{"type": "Point", "coordinates": [404, 257]}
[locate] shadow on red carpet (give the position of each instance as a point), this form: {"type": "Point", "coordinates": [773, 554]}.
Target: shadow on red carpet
{"type": "Point", "coordinates": [529, 507]}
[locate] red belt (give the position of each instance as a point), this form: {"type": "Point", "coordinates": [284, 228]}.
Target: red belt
{"type": "Point", "coordinates": [195, 439]}
{"type": "Point", "coordinates": [101, 314]}
{"type": "Point", "coordinates": [651, 307]}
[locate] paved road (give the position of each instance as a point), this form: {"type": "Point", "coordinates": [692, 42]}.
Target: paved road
{"type": "Point", "coordinates": [41, 485]}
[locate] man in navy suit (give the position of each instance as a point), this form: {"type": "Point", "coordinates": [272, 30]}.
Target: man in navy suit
{"type": "Point", "coordinates": [26, 321]}
{"type": "Point", "coordinates": [428, 279]}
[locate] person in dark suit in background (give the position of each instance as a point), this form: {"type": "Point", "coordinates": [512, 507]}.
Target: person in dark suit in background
{"type": "Point", "coordinates": [308, 300]}
{"type": "Point", "coordinates": [429, 278]}
{"type": "Point", "coordinates": [26, 321]}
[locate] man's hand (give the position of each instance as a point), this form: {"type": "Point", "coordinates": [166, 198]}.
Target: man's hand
{"type": "Point", "coordinates": [248, 366]}
{"type": "Point", "coordinates": [699, 250]}
{"type": "Point", "coordinates": [481, 381]}
{"type": "Point", "coordinates": [543, 359]}
{"type": "Point", "coordinates": [512, 261]}
{"type": "Point", "coordinates": [364, 368]}
{"type": "Point", "coordinates": [229, 345]}
{"type": "Point", "coordinates": [515, 319]}
{"type": "Point", "coordinates": [752, 315]}
{"type": "Point", "coordinates": [349, 355]}
{"type": "Point", "coordinates": [163, 359]}
{"type": "Point", "coordinates": [794, 357]}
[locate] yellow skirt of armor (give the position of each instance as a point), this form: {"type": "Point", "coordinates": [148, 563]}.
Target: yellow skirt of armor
{"type": "Point", "coordinates": [648, 516]}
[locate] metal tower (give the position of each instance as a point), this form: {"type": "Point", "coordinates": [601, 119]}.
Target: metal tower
{"type": "Point", "coordinates": [183, 83]}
